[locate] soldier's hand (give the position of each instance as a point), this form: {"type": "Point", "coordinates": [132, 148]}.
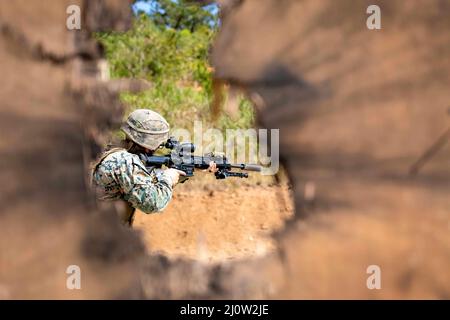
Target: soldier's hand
{"type": "Point", "coordinates": [174, 175]}
{"type": "Point", "coordinates": [212, 167]}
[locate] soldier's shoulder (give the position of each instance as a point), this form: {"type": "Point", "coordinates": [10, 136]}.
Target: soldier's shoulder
{"type": "Point", "coordinates": [118, 155]}
{"type": "Point", "coordinates": [123, 157]}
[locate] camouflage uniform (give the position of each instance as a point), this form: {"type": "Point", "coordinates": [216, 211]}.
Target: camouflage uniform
{"type": "Point", "coordinates": [120, 175]}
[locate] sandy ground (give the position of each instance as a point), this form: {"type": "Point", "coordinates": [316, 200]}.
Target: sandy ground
{"type": "Point", "coordinates": [217, 220]}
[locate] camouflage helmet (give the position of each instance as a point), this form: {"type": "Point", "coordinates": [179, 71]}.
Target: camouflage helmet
{"type": "Point", "coordinates": [146, 128]}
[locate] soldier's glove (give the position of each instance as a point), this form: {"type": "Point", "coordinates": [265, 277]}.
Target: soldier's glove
{"type": "Point", "coordinates": [174, 175]}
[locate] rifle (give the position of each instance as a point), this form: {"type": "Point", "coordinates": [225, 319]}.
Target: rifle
{"type": "Point", "coordinates": [181, 158]}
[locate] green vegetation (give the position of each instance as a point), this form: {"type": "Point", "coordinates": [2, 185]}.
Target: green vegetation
{"type": "Point", "coordinates": [180, 15]}
{"type": "Point", "coordinates": [171, 50]}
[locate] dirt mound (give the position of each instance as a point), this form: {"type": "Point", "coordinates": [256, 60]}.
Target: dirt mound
{"type": "Point", "coordinates": [218, 225]}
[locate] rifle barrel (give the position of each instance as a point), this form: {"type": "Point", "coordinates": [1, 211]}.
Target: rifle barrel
{"type": "Point", "coordinates": [248, 167]}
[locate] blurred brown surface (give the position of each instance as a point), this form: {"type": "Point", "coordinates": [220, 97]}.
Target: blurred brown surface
{"type": "Point", "coordinates": [47, 221]}
{"type": "Point", "coordinates": [355, 108]}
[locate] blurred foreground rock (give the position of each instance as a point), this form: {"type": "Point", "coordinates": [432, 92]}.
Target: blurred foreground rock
{"type": "Point", "coordinates": [355, 108]}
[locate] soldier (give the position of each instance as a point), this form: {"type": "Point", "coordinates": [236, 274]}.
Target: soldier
{"type": "Point", "coordinates": [119, 174]}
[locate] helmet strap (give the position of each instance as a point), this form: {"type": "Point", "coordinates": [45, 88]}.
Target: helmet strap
{"type": "Point", "coordinates": [133, 147]}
